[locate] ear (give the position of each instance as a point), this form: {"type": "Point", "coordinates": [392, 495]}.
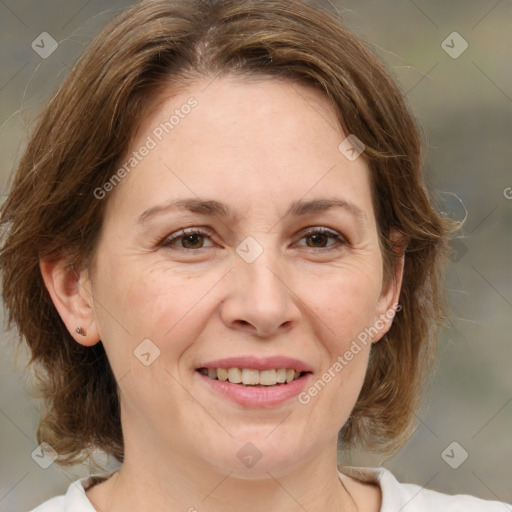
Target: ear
{"type": "Point", "coordinates": [71, 294]}
{"type": "Point", "coordinates": [387, 304]}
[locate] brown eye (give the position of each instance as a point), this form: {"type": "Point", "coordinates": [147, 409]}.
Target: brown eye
{"type": "Point", "coordinates": [318, 238]}
{"type": "Point", "coordinates": [191, 239]}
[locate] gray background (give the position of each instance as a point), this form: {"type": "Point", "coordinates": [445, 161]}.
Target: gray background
{"type": "Point", "coordinates": [464, 107]}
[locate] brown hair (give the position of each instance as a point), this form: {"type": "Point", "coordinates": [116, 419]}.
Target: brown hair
{"type": "Point", "coordinates": [87, 127]}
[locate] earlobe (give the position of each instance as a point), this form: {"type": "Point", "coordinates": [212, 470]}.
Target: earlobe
{"type": "Point", "coordinates": [71, 295]}
{"type": "Point", "coordinates": [388, 303]}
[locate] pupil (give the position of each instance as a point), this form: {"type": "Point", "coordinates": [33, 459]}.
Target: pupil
{"type": "Point", "coordinates": [191, 238]}
{"type": "Point", "coordinates": [194, 240]}
{"type": "Point", "coordinates": [318, 238]}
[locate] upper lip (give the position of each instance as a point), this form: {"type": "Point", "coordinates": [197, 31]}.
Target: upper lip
{"type": "Point", "coordinates": [259, 363]}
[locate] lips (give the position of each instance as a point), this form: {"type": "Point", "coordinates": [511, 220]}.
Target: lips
{"type": "Point", "coordinates": [255, 382]}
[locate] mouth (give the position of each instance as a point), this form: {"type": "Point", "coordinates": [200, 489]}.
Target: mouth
{"type": "Point", "coordinates": [252, 377]}
{"type": "Point", "coordinates": [255, 382]}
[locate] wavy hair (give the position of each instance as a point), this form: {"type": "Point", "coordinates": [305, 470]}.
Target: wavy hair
{"type": "Point", "coordinates": [87, 126]}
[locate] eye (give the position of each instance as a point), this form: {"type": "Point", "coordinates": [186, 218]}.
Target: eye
{"type": "Point", "coordinates": [318, 238]}
{"type": "Point", "coordinates": [194, 238]}
{"type": "Point", "coordinates": [189, 238]}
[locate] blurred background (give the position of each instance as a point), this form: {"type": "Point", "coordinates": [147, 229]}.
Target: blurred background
{"type": "Point", "coordinates": [453, 61]}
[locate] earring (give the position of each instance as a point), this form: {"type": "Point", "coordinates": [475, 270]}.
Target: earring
{"type": "Point", "coordinates": [81, 330]}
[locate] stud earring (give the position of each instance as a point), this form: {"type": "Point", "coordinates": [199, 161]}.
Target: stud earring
{"type": "Point", "coordinates": [81, 331]}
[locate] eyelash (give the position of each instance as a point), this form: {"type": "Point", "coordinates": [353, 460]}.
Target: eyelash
{"type": "Point", "coordinates": [168, 241]}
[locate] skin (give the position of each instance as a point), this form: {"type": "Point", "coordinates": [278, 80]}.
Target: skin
{"type": "Point", "coordinates": [256, 145]}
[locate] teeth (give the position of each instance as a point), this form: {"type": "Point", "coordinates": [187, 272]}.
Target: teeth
{"type": "Point", "coordinates": [235, 375]}
{"type": "Point", "coordinates": [268, 377]}
{"type": "Point", "coordinates": [222, 374]}
{"type": "Point", "coordinates": [252, 377]}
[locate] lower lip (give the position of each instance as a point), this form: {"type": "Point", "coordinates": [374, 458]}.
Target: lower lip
{"type": "Point", "coordinates": [252, 396]}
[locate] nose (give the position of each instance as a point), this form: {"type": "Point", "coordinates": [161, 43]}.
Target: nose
{"type": "Point", "coordinates": [260, 300]}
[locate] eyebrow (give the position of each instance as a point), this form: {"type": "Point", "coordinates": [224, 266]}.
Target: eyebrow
{"type": "Point", "coordinates": [218, 209]}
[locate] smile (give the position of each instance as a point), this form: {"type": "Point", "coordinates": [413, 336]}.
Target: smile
{"type": "Point", "coordinates": [255, 382]}
{"type": "Point", "coordinates": [252, 376]}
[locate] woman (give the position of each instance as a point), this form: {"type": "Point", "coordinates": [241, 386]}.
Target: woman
{"type": "Point", "coordinates": [221, 251]}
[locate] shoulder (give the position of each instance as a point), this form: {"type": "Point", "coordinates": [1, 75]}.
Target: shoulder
{"type": "Point", "coordinates": [75, 499]}
{"type": "Point", "coordinates": [413, 498]}
{"type": "Point", "coordinates": [56, 504]}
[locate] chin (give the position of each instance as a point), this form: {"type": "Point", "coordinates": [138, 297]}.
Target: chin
{"type": "Point", "coordinates": [255, 456]}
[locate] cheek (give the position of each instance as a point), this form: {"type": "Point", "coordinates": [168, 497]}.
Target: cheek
{"type": "Point", "coordinates": [155, 302]}
{"type": "Point", "coordinates": [345, 301]}
{"type": "Point", "coordinates": [149, 310]}
{"type": "Point", "coordinates": [344, 305]}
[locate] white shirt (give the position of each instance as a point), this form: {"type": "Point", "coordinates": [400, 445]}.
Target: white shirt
{"type": "Point", "coordinates": [396, 497]}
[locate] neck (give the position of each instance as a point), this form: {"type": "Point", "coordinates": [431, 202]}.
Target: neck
{"type": "Point", "coordinates": [154, 481]}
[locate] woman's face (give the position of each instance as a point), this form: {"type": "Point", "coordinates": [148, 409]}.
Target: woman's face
{"type": "Point", "coordinates": [275, 279]}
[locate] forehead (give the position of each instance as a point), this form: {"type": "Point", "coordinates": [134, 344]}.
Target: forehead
{"type": "Point", "coordinates": [252, 143]}
{"type": "Point", "coordinates": [234, 111]}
